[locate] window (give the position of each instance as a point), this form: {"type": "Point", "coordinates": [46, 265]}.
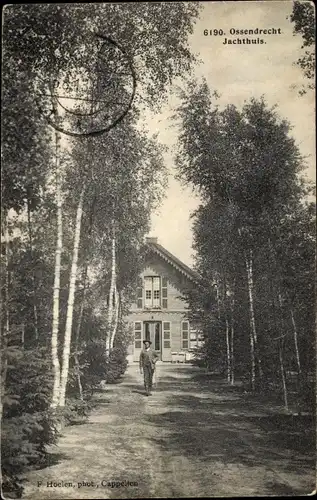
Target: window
{"type": "Point", "coordinates": [156, 291]}
{"type": "Point", "coordinates": [193, 338]}
{"type": "Point", "coordinates": [152, 287]}
{"type": "Point", "coordinates": [185, 334]}
{"type": "Point", "coordinates": [166, 334]}
{"type": "Point", "coordinates": [138, 335]}
{"type": "Point", "coordinates": [196, 338]}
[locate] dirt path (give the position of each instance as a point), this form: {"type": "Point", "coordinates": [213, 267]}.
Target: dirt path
{"type": "Point", "coordinates": [191, 438]}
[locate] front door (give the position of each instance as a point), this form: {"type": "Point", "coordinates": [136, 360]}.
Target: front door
{"type": "Point", "coordinates": [153, 332]}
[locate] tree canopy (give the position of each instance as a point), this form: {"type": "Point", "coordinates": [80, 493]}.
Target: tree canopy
{"type": "Point", "coordinates": [47, 41]}
{"type": "Point", "coordinates": [253, 237]}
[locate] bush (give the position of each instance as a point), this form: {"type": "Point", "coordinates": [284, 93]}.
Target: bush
{"type": "Point", "coordinates": [117, 364]}
{"type": "Point", "coordinates": [75, 411]}
{"type": "Point", "coordinates": [28, 424]}
{"type": "Point", "coordinates": [23, 446]}
{"type": "Point", "coordinates": [93, 363]}
{"type": "Point", "coordinates": [95, 366]}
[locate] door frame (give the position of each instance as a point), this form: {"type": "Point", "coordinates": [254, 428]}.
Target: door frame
{"type": "Point", "coordinates": [152, 334]}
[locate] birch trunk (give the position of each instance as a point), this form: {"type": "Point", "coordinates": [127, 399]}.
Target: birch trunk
{"type": "Point", "coordinates": [70, 304]}
{"type": "Point", "coordinates": [228, 351]}
{"type": "Point", "coordinates": [225, 314]}
{"type": "Point", "coordinates": [232, 353]}
{"type": "Point", "coordinates": [232, 338]}
{"type": "Point", "coordinates": [81, 313]}
{"type": "Point", "coordinates": [7, 280]}
{"type": "Point", "coordinates": [218, 310]}
{"type": "Point", "coordinates": [281, 346]}
{"type": "Point", "coordinates": [22, 335]}
{"type": "Point", "coordinates": [36, 322]}
{"type": "Point", "coordinates": [253, 333]}
{"type": "Point", "coordinates": [282, 368]}
{"type": "Point", "coordinates": [299, 381]}
{"type": "Point", "coordinates": [299, 368]}
{"type": "Point", "coordinates": [111, 291]}
{"type": "Point", "coordinates": [57, 273]}
{"type": "Point", "coordinates": [5, 337]}
{"type": "Point", "coordinates": [218, 298]}
{"type": "Point", "coordinates": [116, 318]}
{"type": "Point", "coordinates": [208, 367]}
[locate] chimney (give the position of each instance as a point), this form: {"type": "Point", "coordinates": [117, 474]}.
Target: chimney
{"type": "Point", "coordinates": [150, 239]}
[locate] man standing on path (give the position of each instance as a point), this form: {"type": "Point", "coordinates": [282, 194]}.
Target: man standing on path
{"type": "Point", "coordinates": [148, 359]}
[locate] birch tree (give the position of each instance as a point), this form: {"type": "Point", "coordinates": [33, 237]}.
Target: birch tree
{"type": "Point", "coordinates": [112, 289]}
{"type": "Point", "coordinates": [57, 272]}
{"type": "Point", "coordinates": [253, 330]}
{"type": "Point", "coordinates": [70, 304]}
{"type": "Point", "coordinates": [116, 318]}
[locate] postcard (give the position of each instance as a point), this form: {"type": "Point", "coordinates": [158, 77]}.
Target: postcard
{"type": "Point", "coordinates": [158, 250]}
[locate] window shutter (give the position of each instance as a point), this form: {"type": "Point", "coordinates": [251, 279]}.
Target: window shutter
{"type": "Point", "coordinates": [164, 293]}
{"type": "Point", "coordinates": [166, 334]}
{"type": "Point", "coordinates": [185, 334]}
{"type": "Point", "coordinates": [140, 294]}
{"type": "Point", "coordinates": [138, 335]}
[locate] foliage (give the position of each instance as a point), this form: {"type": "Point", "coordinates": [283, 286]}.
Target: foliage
{"type": "Point", "coordinates": [96, 370]}
{"type": "Point", "coordinates": [49, 37]}
{"type": "Point", "coordinates": [303, 18]}
{"type": "Point", "coordinates": [43, 41]}
{"type": "Point", "coordinates": [254, 203]}
{"type": "Point", "coordinates": [28, 426]}
{"type": "Point", "coordinates": [117, 363]}
{"type": "Point", "coordinates": [123, 174]}
{"type": "Point", "coordinates": [76, 411]}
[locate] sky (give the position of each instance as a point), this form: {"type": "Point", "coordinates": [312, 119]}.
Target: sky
{"type": "Point", "coordinates": [237, 73]}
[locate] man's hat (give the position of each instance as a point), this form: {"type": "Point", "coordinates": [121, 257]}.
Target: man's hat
{"type": "Point", "coordinates": [147, 341]}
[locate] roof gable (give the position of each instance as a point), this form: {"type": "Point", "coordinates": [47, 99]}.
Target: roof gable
{"type": "Point", "coordinates": [177, 264]}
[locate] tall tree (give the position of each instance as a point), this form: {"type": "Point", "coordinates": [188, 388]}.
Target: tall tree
{"type": "Point", "coordinates": [247, 197]}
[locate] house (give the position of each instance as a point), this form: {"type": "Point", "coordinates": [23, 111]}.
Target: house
{"type": "Point", "coordinates": [159, 313]}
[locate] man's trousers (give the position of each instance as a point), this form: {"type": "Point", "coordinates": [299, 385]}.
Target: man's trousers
{"type": "Point", "coordinates": [148, 372]}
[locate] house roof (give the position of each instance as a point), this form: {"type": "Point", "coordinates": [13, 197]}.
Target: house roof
{"type": "Point", "coordinates": [172, 260]}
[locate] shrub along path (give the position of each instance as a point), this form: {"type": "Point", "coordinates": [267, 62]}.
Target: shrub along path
{"type": "Point", "coordinates": [193, 437]}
